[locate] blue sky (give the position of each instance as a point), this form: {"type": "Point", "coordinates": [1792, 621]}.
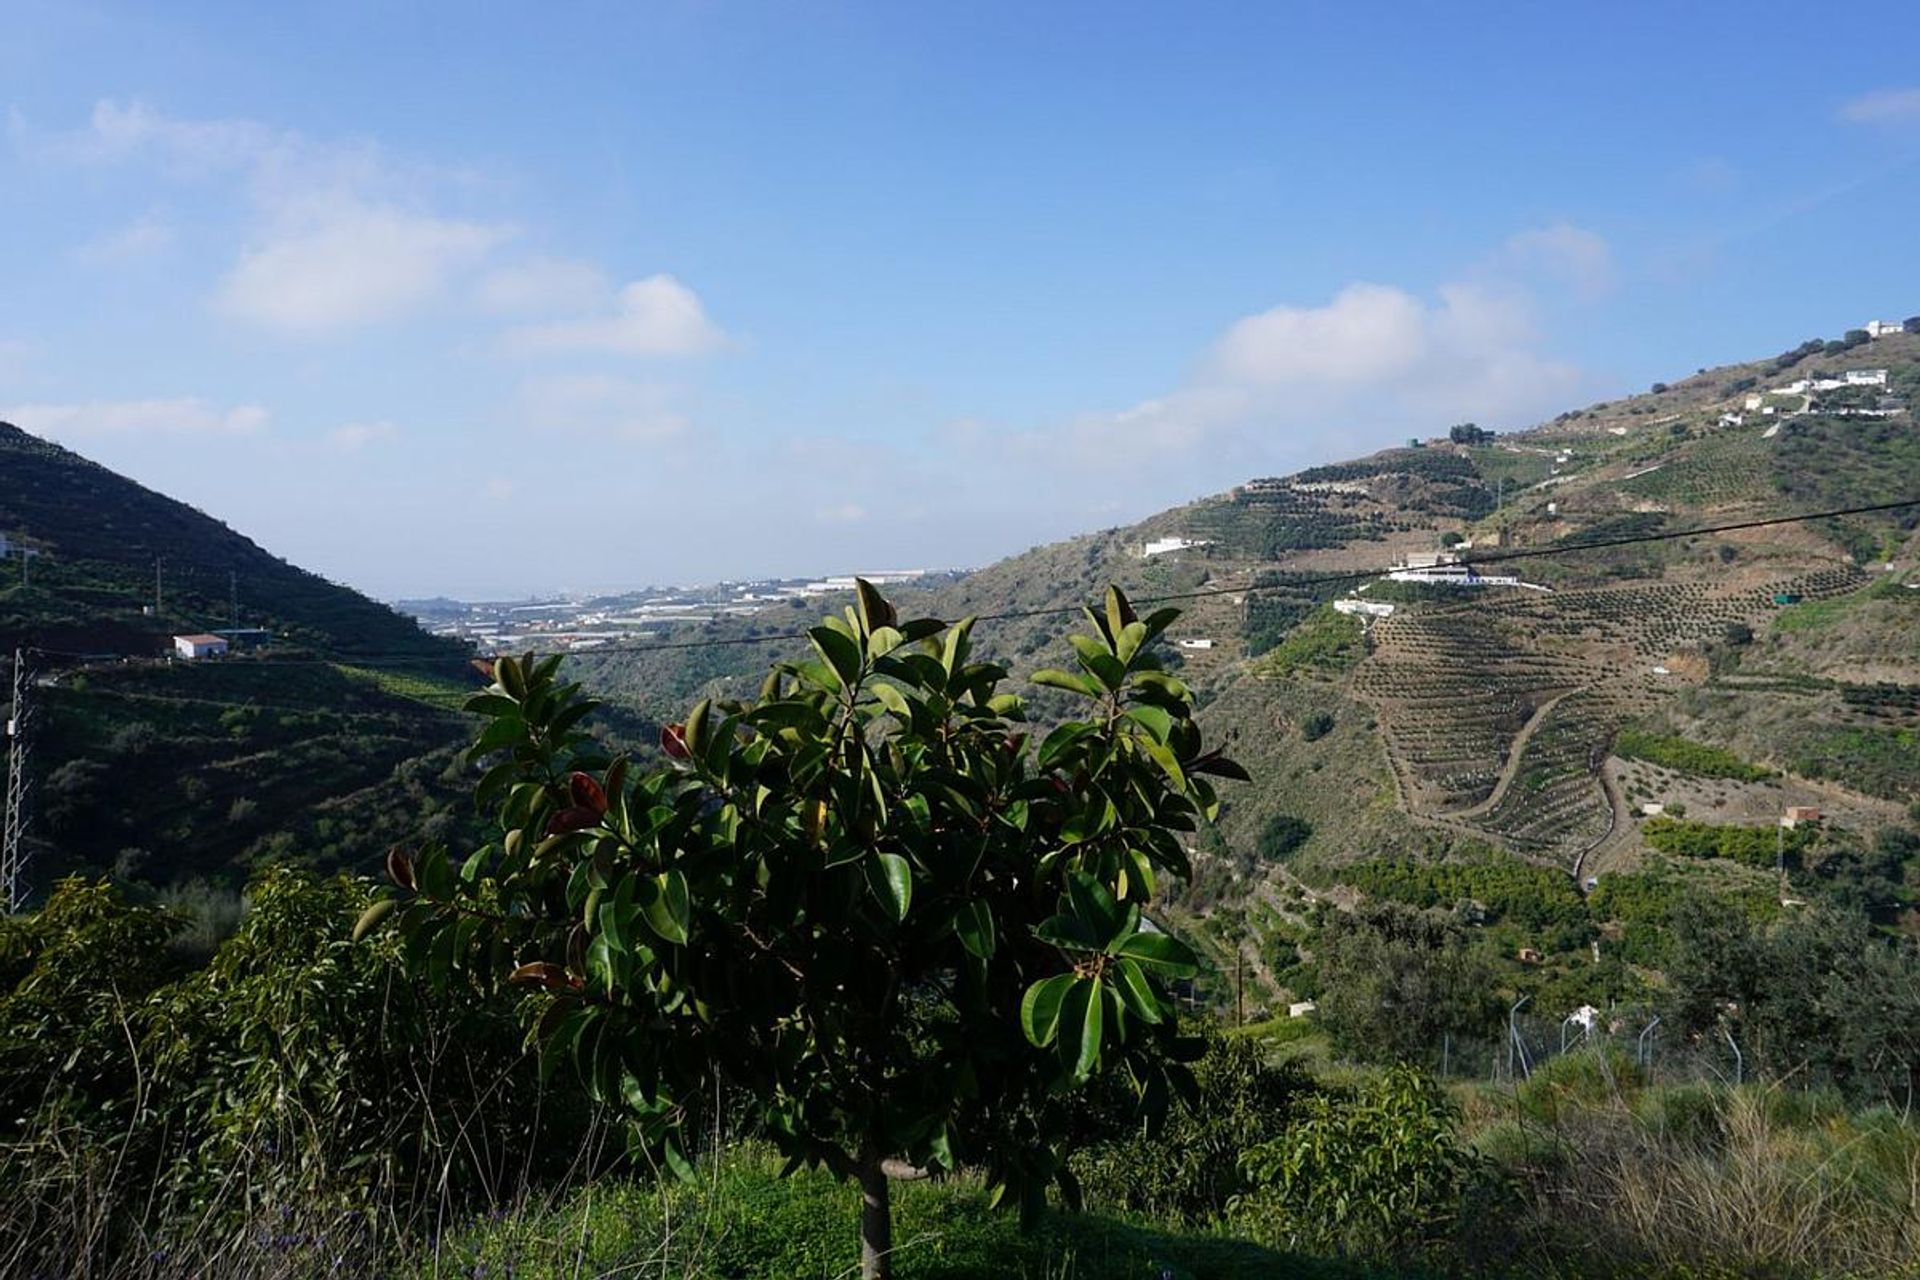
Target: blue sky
{"type": "Point", "coordinates": [494, 299]}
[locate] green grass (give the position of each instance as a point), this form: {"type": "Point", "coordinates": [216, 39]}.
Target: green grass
{"type": "Point", "coordinates": [1812, 615]}
{"type": "Point", "coordinates": [438, 691]}
{"type": "Point", "coordinates": [739, 1220]}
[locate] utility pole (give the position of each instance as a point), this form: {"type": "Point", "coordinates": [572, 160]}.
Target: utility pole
{"type": "Point", "coordinates": [13, 857]}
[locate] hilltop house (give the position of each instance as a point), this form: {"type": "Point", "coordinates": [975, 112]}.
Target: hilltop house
{"type": "Point", "coordinates": [1881, 328]}
{"type": "Point", "coordinates": [199, 646]}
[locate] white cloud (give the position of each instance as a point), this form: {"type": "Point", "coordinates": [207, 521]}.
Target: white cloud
{"type": "Point", "coordinates": [841, 513]}
{"type": "Point", "coordinates": [543, 286]}
{"type": "Point", "coordinates": [1564, 254]}
{"type": "Point", "coordinates": [1883, 106]}
{"type": "Point", "coordinates": [144, 237]}
{"type": "Point", "coordinates": [606, 406]}
{"type": "Point", "coordinates": [337, 263]}
{"type": "Point", "coordinates": [355, 436]}
{"type": "Point", "coordinates": [1372, 364]}
{"type": "Point", "coordinates": [1366, 333]}
{"type": "Point", "coordinates": [342, 234]}
{"type": "Point", "coordinates": [118, 131]}
{"type": "Point", "coordinates": [183, 416]}
{"type": "Point", "coordinates": [657, 316]}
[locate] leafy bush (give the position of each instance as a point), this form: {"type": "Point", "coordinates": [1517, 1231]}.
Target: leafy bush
{"type": "Point", "coordinates": [1749, 846]}
{"type": "Point", "coordinates": [1378, 1170]}
{"type": "Point", "coordinates": [1281, 835]}
{"type": "Point", "coordinates": [149, 1101]}
{"type": "Point", "coordinates": [1324, 642]}
{"type": "Point", "coordinates": [1535, 897]}
{"type": "Point", "coordinates": [1189, 1170]}
{"type": "Point", "coordinates": [1686, 756]}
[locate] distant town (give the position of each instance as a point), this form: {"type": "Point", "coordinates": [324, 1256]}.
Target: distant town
{"type": "Point", "coordinates": [576, 622]}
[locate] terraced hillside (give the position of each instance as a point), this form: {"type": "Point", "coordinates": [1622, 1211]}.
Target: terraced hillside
{"type": "Point", "coordinates": [1488, 715]}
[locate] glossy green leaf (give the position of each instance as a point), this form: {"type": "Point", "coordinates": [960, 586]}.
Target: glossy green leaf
{"type": "Point", "coordinates": [670, 913]}
{"type": "Point", "coordinates": [1053, 678]}
{"type": "Point", "coordinates": [370, 918]}
{"type": "Point", "coordinates": [1137, 991]}
{"type": "Point", "coordinates": [1040, 1008]}
{"type": "Point", "coordinates": [1081, 1027]}
{"type": "Point", "coordinates": [974, 925]}
{"type": "Point", "coordinates": [841, 651]}
{"type": "Point", "coordinates": [892, 879]}
{"type": "Point", "coordinates": [1159, 952]}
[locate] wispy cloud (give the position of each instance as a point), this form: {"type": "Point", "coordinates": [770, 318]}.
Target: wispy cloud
{"type": "Point", "coordinates": [355, 436]}
{"type": "Point", "coordinates": [543, 286]}
{"type": "Point", "coordinates": [1883, 106]}
{"type": "Point", "coordinates": [96, 418]}
{"type": "Point", "coordinates": [657, 316]}
{"type": "Point", "coordinates": [1564, 254]}
{"type": "Point", "coordinates": [338, 262]}
{"type": "Point", "coordinates": [342, 235]}
{"type": "Point", "coordinates": [144, 237]}
{"type": "Point", "coordinates": [605, 406]}
{"type": "Point", "coordinates": [1373, 363]}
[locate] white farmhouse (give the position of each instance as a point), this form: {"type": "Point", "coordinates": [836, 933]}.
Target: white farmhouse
{"type": "Point", "coordinates": [1161, 546]}
{"type": "Point", "coordinates": [1882, 328]}
{"type": "Point", "coordinates": [199, 646]}
{"type": "Point", "coordinates": [1365, 608]}
{"type": "Point", "coordinates": [1195, 644]}
{"type": "Point", "coordinates": [1866, 377]}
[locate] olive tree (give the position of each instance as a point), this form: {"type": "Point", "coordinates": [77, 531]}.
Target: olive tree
{"type": "Point", "coordinates": [866, 902]}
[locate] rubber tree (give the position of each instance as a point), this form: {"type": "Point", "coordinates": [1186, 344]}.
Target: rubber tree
{"type": "Point", "coordinates": [865, 904]}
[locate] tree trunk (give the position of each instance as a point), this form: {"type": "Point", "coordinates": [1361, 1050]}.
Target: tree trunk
{"type": "Point", "coordinates": [876, 1221]}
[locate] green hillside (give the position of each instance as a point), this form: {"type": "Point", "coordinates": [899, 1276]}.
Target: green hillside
{"type": "Point", "coordinates": [1490, 718]}
{"type": "Point", "coordinates": [99, 537]}
{"type": "Point", "coordinates": [285, 750]}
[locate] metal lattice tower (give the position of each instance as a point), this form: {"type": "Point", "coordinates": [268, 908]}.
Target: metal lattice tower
{"type": "Point", "coordinates": [13, 855]}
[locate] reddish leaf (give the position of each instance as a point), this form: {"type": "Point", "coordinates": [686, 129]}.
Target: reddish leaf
{"type": "Point", "coordinates": [400, 867]}
{"type": "Point", "coordinates": [673, 741]}
{"type": "Point", "coordinates": [546, 974]}
{"type": "Point", "coordinates": [572, 820]}
{"type": "Point", "coordinates": [587, 793]}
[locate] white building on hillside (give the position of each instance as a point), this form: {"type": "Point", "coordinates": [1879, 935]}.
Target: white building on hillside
{"type": "Point", "coordinates": [1194, 643]}
{"type": "Point", "coordinates": [1161, 546]}
{"type": "Point", "coordinates": [199, 646]}
{"type": "Point", "coordinates": [1881, 328]}
{"type": "Point", "coordinates": [1365, 608]}
{"type": "Point", "coordinates": [1866, 377]}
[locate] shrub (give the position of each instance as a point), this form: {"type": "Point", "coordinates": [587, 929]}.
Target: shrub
{"type": "Point", "coordinates": [1686, 756]}
{"type": "Point", "coordinates": [1189, 1171]}
{"type": "Point", "coordinates": [1378, 1170]}
{"type": "Point", "coordinates": [1281, 835]}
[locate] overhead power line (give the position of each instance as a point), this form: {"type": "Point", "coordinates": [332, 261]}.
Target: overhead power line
{"type": "Point", "coordinates": [1292, 584]}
